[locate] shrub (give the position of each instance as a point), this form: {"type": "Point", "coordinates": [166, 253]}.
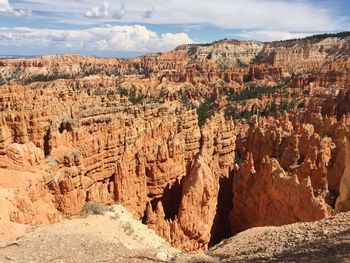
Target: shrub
{"type": "Point", "coordinates": [185, 100]}
{"type": "Point", "coordinates": [93, 208]}
{"type": "Point", "coordinates": [122, 91]}
{"type": "Point", "coordinates": [246, 115]}
{"type": "Point", "coordinates": [128, 228]}
{"type": "Point", "coordinates": [132, 95]}
{"type": "Point", "coordinates": [231, 112]}
{"type": "Point", "coordinates": [192, 50]}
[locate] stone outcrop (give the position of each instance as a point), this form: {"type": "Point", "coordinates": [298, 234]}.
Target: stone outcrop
{"type": "Point", "coordinates": [343, 200]}
{"type": "Point", "coordinates": [266, 195]}
{"type": "Point", "coordinates": [288, 165]}
{"type": "Point", "coordinates": [199, 190]}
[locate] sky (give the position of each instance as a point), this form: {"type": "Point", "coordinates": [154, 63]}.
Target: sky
{"type": "Point", "coordinates": [128, 28]}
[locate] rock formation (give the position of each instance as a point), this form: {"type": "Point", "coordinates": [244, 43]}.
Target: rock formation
{"type": "Point", "coordinates": [199, 143]}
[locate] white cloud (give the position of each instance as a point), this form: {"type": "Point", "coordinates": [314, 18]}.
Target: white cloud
{"type": "Point", "coordinates": [99, 11]}
{"type": "Point", "coordinates": [269, 35]}
{"type": "Point", "coordinates": [107, 38]}
{"type": "Point", "coordinates": [120, 13]}
{"type": "Point", "coordinates": [148, 13]}
{"type": "Point", "coordinates": [7, 10]}
{"type": "Point", "coordinates": [271, 15]}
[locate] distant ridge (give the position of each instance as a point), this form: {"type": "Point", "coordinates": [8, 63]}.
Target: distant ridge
{"type": "Point", "coordinates": [3, 57]}
{"type": "Point", "coordinates": [315, 37]}
{"type": "Point", "coordinates": [318, 37]}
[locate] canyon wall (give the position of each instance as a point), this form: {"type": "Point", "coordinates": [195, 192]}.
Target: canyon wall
{"type": "Point", "coordinates": [150, 158]}
{"type": "Point", "coordinates": [199, 143]}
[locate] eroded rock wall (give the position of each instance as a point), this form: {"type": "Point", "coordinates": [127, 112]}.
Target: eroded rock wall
{"type": "Point", "coordinates": [134, 155]}
{"type": "Point", "coordinates": [81, 129]}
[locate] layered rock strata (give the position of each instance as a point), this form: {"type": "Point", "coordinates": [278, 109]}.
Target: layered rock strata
{"type": "Point", "coordinates": [82, 129]}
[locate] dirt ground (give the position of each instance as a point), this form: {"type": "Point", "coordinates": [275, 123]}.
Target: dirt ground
{"type": "Point", "coordinates": [327, 240]}
{"type": "Point", "coordinates": [112, 237]}
{"type": "Point", "coordinates": [116, 237]}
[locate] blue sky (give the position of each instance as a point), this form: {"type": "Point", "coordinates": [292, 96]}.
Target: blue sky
{"type": "Point", "coordinates": [126, 28]}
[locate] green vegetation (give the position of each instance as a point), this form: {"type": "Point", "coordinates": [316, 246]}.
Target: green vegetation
{"type": "Point", "coordinates": [323, 36]}
{"type": "Point", "coordinates": [223, 67]}
{"type": "Point", "coordinates": [273, 109]}
{"type": "Point", "coordinates": [185, 100]}
{"type": "Point", "coordinates": [232, 112]}
{"type": "Point", "coordinates": [205, 110]}
{"type": "Point", "coordinates": [253, 92]}
{"type": "Point", "coordinates": [123, 92]}
{"type": "Point", "coordinates": [287, 106]}
{"type": "Point", "coordinates": [44, 78]}
{"type": "Point", "coordinates": [237, 101]}
{"type": "Point", "coordinates": [91, 71]}
{"type": "Point", "coordinates": [320, 36]}
{"type": "Point", "coordinates": [132, 95]}
{"type": "Point", "coordinates": [241, 64]}
{"type": "Point", "coordinates": [238, 158]}
{"type": "Point", "coordinates": [192, 50]}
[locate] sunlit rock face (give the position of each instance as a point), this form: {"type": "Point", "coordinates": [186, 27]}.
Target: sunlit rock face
{"type": "Point", "coordinates": [154, 133]}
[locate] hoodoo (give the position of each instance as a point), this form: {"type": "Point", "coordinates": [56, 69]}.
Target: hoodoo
{"type": "Point", "coordinates": [199, 143]}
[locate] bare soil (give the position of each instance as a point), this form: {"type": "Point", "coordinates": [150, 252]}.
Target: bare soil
{"type": "Point", "coordinates": [112, 237]}
{"type": "Point", "coordinates": [116, 237]}
{"type": "Point", "coordinates": [327, 240]}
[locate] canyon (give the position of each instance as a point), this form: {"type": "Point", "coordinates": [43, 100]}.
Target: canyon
{"type": "Point", "coordinates": [199, 143]}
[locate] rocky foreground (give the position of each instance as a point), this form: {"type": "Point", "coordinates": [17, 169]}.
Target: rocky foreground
{"type": "Point", "coordinates": [105, 236]}
{"type": "Point", "coordinates": [116, 237]}
{"type": "Point", "coordinates": [327, 240]}
{"type": "Point", "coordinates": [199, 143]}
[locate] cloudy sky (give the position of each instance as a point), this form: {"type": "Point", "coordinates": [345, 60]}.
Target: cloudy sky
{"type": "Point", "coordinates": [124, 28]}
